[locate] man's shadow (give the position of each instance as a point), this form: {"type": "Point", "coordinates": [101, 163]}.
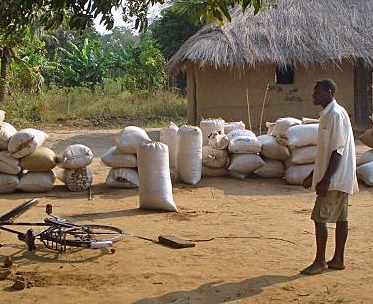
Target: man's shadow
{"type": "Point", "coordinates": [218, 292]}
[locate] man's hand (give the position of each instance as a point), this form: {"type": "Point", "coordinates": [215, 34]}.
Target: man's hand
{"type": "Point", "coordinates": [307, 182]}
{"type": "Point", "coordinates": [322, 187]}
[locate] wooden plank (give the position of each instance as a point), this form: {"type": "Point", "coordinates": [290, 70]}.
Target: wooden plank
{"type": "Point", "coordinates": [174, 241]}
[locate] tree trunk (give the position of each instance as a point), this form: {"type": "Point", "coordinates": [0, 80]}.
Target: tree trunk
{"type": "Point", "coordinates": [6, 54]}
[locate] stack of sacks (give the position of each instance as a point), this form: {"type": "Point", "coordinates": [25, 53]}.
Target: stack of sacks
{"type": "Point", "coordinates": [189, 154]}
{"type": "Point", "coordinates": [168, 136]}
{"type": "Point", "coordinates": [273, 155]}
{"type": "Point", "coordinates": [364, 163]}
{"type": "Point", "coordinates": [74, 160]}
{"type": "Point", "coordinates": [233, 125]}
{"type": "Point", "coordinates": [123, 158]}
{"type": "Point", "coordinates": [301, 139]}
{"type": "Point", "coordinates": [244, 146]}
{"type": "Point", "coordinates": [210, 125]}
{"type": "Point", "coordinates": [9, 166]}
{"type": "Point", "coordinates": [215, 157]}
{"type": "Point", "coordinates": [37, 161]}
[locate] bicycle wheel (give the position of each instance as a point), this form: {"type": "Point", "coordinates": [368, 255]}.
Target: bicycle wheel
{"type": "Point", "coordinates": [19, 210]}
{"type": "Point", "coordinates": [58, 237]}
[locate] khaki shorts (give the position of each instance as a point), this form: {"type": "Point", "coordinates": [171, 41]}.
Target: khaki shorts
{"type": "Point", "coordinates": [331, 208]}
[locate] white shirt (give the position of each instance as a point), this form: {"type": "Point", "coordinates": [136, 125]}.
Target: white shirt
{"type": "Point", "coordinates": [335, 133]}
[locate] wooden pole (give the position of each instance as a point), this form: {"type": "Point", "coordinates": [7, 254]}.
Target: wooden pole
{"type": "Point", "coordinates": [261, 115]}
{"type": "Point", "coordinates": [248, 106]}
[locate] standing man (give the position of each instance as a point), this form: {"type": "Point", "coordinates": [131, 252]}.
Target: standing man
{"type": "Point", "coordinates": [333, 178]}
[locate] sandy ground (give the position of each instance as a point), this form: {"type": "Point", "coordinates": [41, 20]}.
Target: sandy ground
{"type": "Point", "coordinates": [262, 236]}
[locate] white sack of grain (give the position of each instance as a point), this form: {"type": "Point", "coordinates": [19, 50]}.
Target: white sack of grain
{"type": "Point", "coordinates": [130, 138]}
{"type": "Point", "coordinates": [243, 141]}
{"type": "Point", "coordinates": [302, 135]}
{"type": "Point", "coordinates": [271, 149]}
{"type": "Point", "coordinates": [365, 173]}
{"type": "Point", "coordinates": [288, 163]}
{"type": "Point", "coordinates": [282, 124]}
{"type": "Point", "coordinates": [245, 163]}
{"type": "Point", "coordinates": [271, 168]}
{"type": "Point", "coordinates": [214, 172]}
{"type": "Point", "coordinates": [210, 125]}
{"type": "Point", "coordinates": [234, 125]}
{"type": "Point", "coordinates": [296, 174]}
{"type": "Point", "coordinates": [304, 155]}
{"type": "Point", "coordinates": [37, 181]}
{"type": "Point", "coordinates": [2, 116]}
{"type": "Point", "coordinates": [26, 141]}
{"type": "Point", "coordinates": [6, 132]}
{"type": "Point", "coordinates": [168, 136]}
{"type": "Point", "coordinates": [8, 183]}
{"type": "Point", "coordinates": [367, 138]}
{"type": "Point", "coordinates": [363, 159]}
{"type": "Point", "coordinates": [218, 140]}
{"type": "Point", "coordinates": [9, 164]}
{"type": "Point", "coordinates": [189, 154]}
{"type": "Point", "coordinates": [41, 160]}
{"type": "Point", "coordinates": [115, 158]}
{"type": "Point", "coordinates": [122, 178]}
{"type": "Point", "coordinates": [75, 156]}
{"type": "Point", "coordinates": [155, 188]}
{"type": "Point", "coordinates": [79, 179]}
{"type": "Point", "coordinates": [214, 158]}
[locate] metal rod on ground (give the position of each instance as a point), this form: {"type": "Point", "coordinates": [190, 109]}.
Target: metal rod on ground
{"type": "Point", "coordinates": [89, 193]}
{"type": "Point", "coordinates": [248, 106]}
{"type": "Point", "coordinates": [261, 115]}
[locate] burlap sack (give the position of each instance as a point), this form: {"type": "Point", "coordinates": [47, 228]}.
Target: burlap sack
{"type": "Point", "coordinates": [367, 138]}
{"type": "Point", "coordinates": [41, 160]}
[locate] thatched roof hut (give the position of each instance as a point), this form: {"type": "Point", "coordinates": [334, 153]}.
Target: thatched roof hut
{"type": "Point", "coordinates": [309, 35]}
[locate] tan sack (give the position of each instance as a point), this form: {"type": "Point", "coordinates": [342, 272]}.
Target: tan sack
{"type": "Point", "coordinates": [304, 155]}
{"type": "Point", "coordinates": [79, 179]}
{"type": "Point", "coordinates": [214, 172]}
{"type": "Point", "coordinates": [168, 136]}
{"type": "Point", "coordinates": [155, 188]}
{"type": "Point", "coordinates": [271, 168]}
{"type": "Point", "coordinates": [365, 158]}
{"type": "Point", "coordinates": [218, 140]}
{"type": "Point", "coordinates": [214, 158]}
{"type": "Point", "coordinates": [26, 141]}
{"type": "Point", "coordinates": [75, 156]}
{"type": "Point", "coordinates": [208, 126]}
{"type": "Point", "coordinates": [282, 124]}
{"type": "Point", "coordinates": [122, 178]}
{"type": "Point", "coordinates": [9, 164]}
{"type": "Point", "coordinates": [365, 173]}
{"type": "Point", "coordinates": [8, 183]}
{"type": "Point", "coordinates": [117, 159]}
{"type": "Point", "coordinates": [37, 181]}
{"type": "Point", "coordinates": [41, 160]}
{"type": "Point", "coordinates": [6, 132]}
{"type": "Point", "coordinates": [367, 138]}
{"type": "Point", "coordinates": [271, 149]}
{"type": "Point", "coordinates": [130, 138]}
{"type": "Point", "coordinates": [245, 163]}
{"type": "Point", "coordinates": [296, 174]}
{"type": "Point", "coordinates": [233, 125]}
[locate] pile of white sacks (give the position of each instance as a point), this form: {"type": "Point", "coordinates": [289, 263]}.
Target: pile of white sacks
{"type": "Point", "coordinates": [364, 162]}
{"type": "Point", "coordinates": [74, 160]}
{"type": "Point", "coordinates": [24, 163]}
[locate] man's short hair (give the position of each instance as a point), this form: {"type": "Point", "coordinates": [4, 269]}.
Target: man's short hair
{"type": "Point", "coordinates": [327, 84]}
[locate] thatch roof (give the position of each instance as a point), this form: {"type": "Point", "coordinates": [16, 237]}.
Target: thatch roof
{"type": "Point", "coordinates": [298, 32]}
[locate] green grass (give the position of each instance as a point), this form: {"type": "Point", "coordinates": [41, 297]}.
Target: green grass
{"type": "Point", "coordinates": [107, 107]}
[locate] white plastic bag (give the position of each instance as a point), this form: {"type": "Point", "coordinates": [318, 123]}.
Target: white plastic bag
{"type": "Point", "coordinates": [76, 156]}
{"type": "Point", "coordinates": [6, 132]}
{"type": "Point", "coordinates": [295, 175]}
{"type": "Point", "coordinates": [365, 173]}
{"type": "Point", "coordinates": [26, 141]}
{"type": "Point", "coordinates": [8, 183]}
{"type": "Point", "coordinates": [130, 138]}
{"type": "Point", "coordinates": [122, 178]}
{"type": "Point", "coordinates": [271, 149]}
{"type": "Point", "coordinates": [271, 168]}
{"type": "Point", "coordinates": [234, 125]}
{"type": "Point", "coordinates": [210, 125]}
{"type": "Point", "coordinates": [76, 180]}
{"type": "Point", "coordinates": [243, 141]}
{"type": "Point", "coordinates": [168, 136]}
{"type": "Point", "coordinates": [37, 181]}
{"type": "Point", "coordinates": [214, 158]}
{"type": "Point", "coordinates": [155, 188]}
{"type": "Point", "coordinates": [189, 154]}
{"type": "Point", "coordinates": [304, 155]}
{"type": "Point", "coordinates": [117, 159]}
{"type": "Point", "coordinates": [245, 163]}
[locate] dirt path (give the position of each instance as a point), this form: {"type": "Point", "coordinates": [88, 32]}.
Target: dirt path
{"type": "Point", "coordinates": [262, 238]}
